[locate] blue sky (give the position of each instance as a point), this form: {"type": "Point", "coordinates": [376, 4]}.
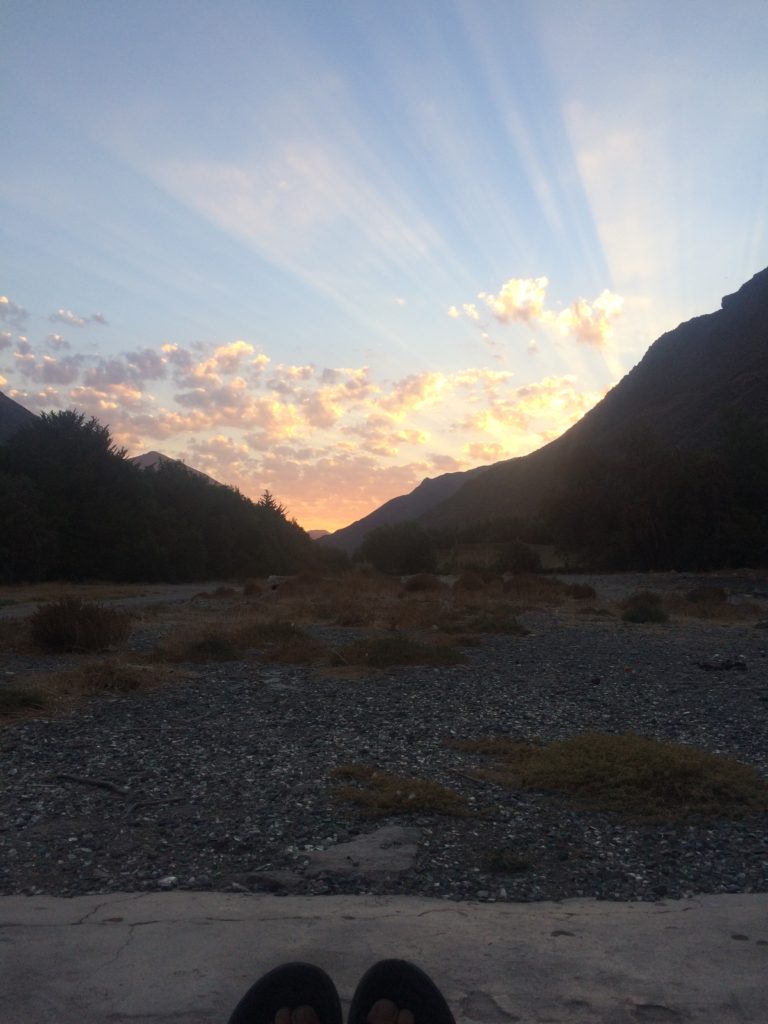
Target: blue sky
{"type": "Point", "coordinates": [331, 248]}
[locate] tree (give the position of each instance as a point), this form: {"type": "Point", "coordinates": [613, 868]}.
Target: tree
{"type": "Point", "coordinates": [398, 549]}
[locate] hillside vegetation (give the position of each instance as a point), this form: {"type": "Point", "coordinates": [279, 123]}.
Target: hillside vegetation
{"type": "Point", "coordinates": [73, 507]}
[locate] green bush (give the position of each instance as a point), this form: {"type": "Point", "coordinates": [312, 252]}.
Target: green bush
{"type": "Point", "coordinates": [72, 624]}
{"type": "Point", "coordinates": [644, 606]}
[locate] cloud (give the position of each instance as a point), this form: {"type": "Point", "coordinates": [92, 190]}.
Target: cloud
{"type": "Point", "coordinates": [6, 338]}
{"type": "Point", "coordinates": [11, 313]}
{"type": "Point", "coordinates": [133, 367]}
{"type": "Point", "coordinates": [48, 369]}
{"type": "Point", "coordinates": [523, 300]}
{"type": "Point", "coordinates": [56, 341]}
{"type": "Point", "coordinates": [489, 451]}
{"type": "Point", "coordinates": [519, 299]}
{"type": "Point", "coordinates": [591, 324]}
{"type": "Point", "coordinates": [66, 316]}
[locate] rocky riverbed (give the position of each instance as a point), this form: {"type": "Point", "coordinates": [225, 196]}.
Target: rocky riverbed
{"type": "Point", "coordinates": [222, 782]}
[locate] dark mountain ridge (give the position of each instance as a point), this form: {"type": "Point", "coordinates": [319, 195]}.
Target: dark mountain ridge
{"type": "Point", "coordinates": [681, 391]}
{"type": "Point", "coordinates": [13, 417]}
{"type": "Point", "coordinates": [429, 493]}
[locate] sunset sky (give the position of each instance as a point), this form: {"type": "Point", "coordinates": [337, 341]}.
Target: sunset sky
{"type": "Point", "coordinates": [331, 247]}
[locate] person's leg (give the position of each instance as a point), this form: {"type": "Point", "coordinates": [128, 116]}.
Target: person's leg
{"type": "Point", "coordinates": [398, 992]}
{"type": "Point", "coordinates": [295, 993]}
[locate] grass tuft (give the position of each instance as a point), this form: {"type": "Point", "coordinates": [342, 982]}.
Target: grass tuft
{"type": "Point", "coordinates": [422, 581]}
{"type": "Point", "coordinates": [644, 606]}
{"type": "Point", "coordinates": [381, 793]}
{"type": "Point", "coordinates": [644, 778]}
{"type": "Point", "coordinates": [22, 697]}
{"type": "Point", "coordinates": [395, 649]}
{"type": "Point", "coordinates": [72, 624]}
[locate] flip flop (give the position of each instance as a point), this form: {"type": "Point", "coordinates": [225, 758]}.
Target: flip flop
{"type": "Point", "coordinates": [405, 985]}
{"type": "Point", "coordinates": [291, 985]}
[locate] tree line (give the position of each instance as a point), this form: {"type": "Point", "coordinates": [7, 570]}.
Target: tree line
{"type": "Point", "coordinates": [73, 507]}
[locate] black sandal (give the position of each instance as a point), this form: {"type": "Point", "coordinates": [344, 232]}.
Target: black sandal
{"type": "Point", "coordinates": [405, 985]}
{"type": "Point", "coordinates": [291, 985]}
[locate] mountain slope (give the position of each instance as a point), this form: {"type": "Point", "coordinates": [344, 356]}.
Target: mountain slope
{"type": "Point", "coordinates": [682, 390]}
{"type": "Point", "coordinates": [420, 500]}
{"type": "Point", "coordinates": [13, 417]}
{"type": "Point", "coordinates": [152, 460]}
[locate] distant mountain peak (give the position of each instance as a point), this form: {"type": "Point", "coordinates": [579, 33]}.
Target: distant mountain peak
{"type": "Point", "coordinates": [153, 460]}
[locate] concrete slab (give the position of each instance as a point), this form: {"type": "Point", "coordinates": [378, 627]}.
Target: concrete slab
{"type": "Point", "coordinates": [187, 957]}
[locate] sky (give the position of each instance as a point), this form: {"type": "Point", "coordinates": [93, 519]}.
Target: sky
{"type": "Point", "coordinates": [328, 248]}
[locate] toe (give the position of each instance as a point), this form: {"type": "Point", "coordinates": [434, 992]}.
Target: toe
{"type": "Point", "coordinates": [383, 1012]}
{"type": "Point", "coordinates": [405, 1017]}
{"type": "Point", "coordinates": [305, 1015]}
{"type": "Point", "coordinates": [283, 1016]}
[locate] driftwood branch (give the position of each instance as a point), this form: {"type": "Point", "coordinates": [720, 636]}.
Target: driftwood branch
{"type": "Point", "coordinates": [86, 780]}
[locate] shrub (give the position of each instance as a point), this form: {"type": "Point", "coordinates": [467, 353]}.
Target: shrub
{"type": "Point", "coordinates": [72, 624]}
{"type": "Point", "coordinates": [530, 587]}
{"type": "Point", "coordinates": [422, 581]}
{"type": "Point", "coordinates": [469, 581]}
{"type": "Point", "coordinates": [518, 557]}
{"type": "Point", "coordinates": [707, 595]}
{"type": "Point", "coordinates": [495, 620]}
{"type": "Point", "coordinates": [398, 549]}
{"type": "Point", "coordinates": [644, 606]}
{"type": "Point", "coordinates": [580, 591]}
{"type": "Point", "coordinates": [20, 698]}
{"type": "Point", "coordinates": [395, 649]}
{"type": "Point", "coordinates": [642, 777]}
{"type": "Point", "coordinates": [382, 793]}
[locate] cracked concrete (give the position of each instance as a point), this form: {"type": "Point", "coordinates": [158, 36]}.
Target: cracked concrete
{"type": "Point", "coordinates": [149, 958]}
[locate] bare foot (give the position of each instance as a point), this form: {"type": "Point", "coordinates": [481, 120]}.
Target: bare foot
{"type": "Point", "coordinates": [386, 1012]}
{"type": "Point", "coordinates": [301, 1015]}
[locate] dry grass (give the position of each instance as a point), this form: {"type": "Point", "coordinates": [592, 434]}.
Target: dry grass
{"type": "Point", "coordinates": [644, 606]}
{"type": "Point", "coordinates": [239, 638]}
{"type": "Point", "coordinates": [61, 690]}
{"type": "Point", "coordinates": [395, 649]}
{"type": "Point", "coordinates": [72, 624]}
{"type": "Point", "coordinates": [533, 589]}
{"type": "Point", "coordinates": [711, 604]}
{"type": "Point", "coordinates": [25, 593]}
{"type": "Point", "coordinates": [381, 793]}
{"type": "Point", "coordinates": [643, 778]}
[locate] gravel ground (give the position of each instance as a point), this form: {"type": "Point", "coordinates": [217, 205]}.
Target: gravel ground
{"type": "Point", "coordinates": [221, 782]}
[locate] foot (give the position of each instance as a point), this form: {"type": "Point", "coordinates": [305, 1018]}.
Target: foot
{"type": "Point", "coordinates": [301, 1015]}
{"type": "Point", "coordinates": [386, 1012]}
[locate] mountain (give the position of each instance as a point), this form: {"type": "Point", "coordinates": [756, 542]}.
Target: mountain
{"type": "Point", "coordinates": [683, 389]}
{"type": "Point", "coordinates": [430, 493]}
{"type": "Point", "coordinates": [153, 460]}
{"type": "Point", "coordinates": [317, 534]}
{"type": "Point", "coordinates": [13, 417]}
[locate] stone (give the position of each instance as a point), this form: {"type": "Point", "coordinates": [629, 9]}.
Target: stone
{"type": "Point", "coordinates": [386, 851]}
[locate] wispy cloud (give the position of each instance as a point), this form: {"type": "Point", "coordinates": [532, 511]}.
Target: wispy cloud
{"type": "Point", "coordinates": [66, 316]}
